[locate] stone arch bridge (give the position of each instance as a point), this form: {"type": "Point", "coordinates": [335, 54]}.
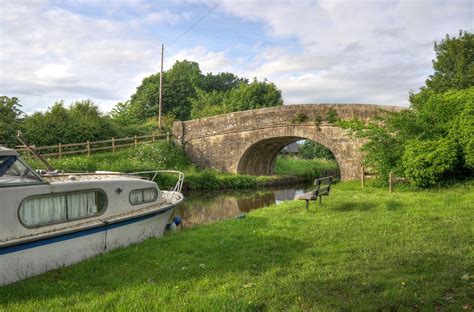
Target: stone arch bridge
{"type": "Point", "coordinates": [249, 142]}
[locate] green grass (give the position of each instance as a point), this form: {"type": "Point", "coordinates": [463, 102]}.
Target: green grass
{"type": "Point", "coordinates": [306, 169]}
{"type": "Point", "coordinates": [164, 155]}
{"type": "Point", "coordinates": [364, 249]}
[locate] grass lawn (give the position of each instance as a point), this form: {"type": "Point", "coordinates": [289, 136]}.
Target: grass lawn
{"type": "Point", "coordinates": [364, 249]}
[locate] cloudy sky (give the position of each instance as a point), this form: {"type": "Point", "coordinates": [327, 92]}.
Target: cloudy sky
{"type": "Point", "coordinates": [316, 51]}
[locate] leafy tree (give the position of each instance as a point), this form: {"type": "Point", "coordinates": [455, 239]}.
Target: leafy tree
{"type": "Point", "coordinates": [208, 104]}
{"type": "Point", "coordinates": [179, 85]}
{"type": "Point", "coordinates": [432, 141]}
{"type": "Point", "coordinates": [454, 64]}
{"type": "Point", "coordinates": [244, 97]}
{"type": "Point", "coordinates": [222, 82]}
{"type": "Point", "coordinates": [254, 95]}
{"type": "Point", "coordinates": [80, 122]}
{"type": "Point", "coordinates": [10, 111]}
{"type": "Point", "coordinates": [310, 150]}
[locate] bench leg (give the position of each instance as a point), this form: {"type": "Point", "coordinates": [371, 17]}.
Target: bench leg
{"type": "Point", "coordinates": [320, 200]}
{"type": "Point", "coordinates": [307, 204]}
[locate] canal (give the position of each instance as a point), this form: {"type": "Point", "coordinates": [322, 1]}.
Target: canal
{"type": "Point", "coordinates": [205, 206]}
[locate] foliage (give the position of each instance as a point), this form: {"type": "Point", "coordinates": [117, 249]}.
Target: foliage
{"type": "Point", "coordinates": [242, 97]}
{"type": "Point", "coordinates": [10, 111]}
{"type": "Point", "coordinates": [362, 250]}
{"type": "Point", "coordinates": [318, 120]}
{"type": "Point", "coordinates": [427, 161]}
{"type": "Point", "coordinates": [332, 116]}
{"type": "Point", "coordinates": [254, 95]}
{"type": "Point", "coordinates": [208, 104]}
{"type": "Point", "coordinates": [188, 93]}
{"type": "Point", "coordinates": [305, 169]}
{"type": "Point", "coordinates": [299, 118]}
{"type": "Point", "coordinates": [432, 142]}
{"type": "Point", "coordinates": [310, 150]}
{"type": "Point", "coordinates": [79, 122]}
{"type": "Point", "coordinates": [454, 64]}
{"type": "Point", "coordinates": [222, 82]}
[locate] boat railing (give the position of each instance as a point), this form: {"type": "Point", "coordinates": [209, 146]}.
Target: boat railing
{"type": "Point", "coordinates": [179, 183]}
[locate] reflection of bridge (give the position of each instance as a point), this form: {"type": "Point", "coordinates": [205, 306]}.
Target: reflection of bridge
{"type": "Point", "coordinates": [249, 141]}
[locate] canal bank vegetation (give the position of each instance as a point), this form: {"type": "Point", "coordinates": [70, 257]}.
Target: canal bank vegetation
{"type": "Point", "coordinates": [432, 143]}
{"type": "Point", "coordinates": [164, 155]}
{"type": "Point", "coordinates": [363, 249]}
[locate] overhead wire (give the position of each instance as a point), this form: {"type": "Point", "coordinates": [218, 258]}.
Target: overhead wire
{"type": "Point", "coordinates": [195, 24]}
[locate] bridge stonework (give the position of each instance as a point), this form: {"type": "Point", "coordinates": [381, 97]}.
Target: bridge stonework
{"type": "Point", "coordinates": [249, 142]}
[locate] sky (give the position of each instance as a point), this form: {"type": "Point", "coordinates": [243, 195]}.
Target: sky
{"type": "Point", "coordinates": [315, 51]}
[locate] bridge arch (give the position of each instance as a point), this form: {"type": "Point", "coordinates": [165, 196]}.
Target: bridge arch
{"type": "Point", "coordinates": [249, 141]}
{"type": "Point", "coordinates": [260, 158]}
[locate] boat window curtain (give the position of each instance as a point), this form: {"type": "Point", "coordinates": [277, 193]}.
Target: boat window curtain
{"type": "Point", "coordinates": [43, 210]}
{"type": "Point", "coordinates": [143, 196]}
{"type": "Point", "coordinates": [136, 197]}
{"type": "Point", "coordinates": [149, 195]}
{"type": "Point", "coordinates": [81, 205]}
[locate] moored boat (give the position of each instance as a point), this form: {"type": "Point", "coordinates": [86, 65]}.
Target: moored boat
{"type": "Point", "coordinates": [57, 220]}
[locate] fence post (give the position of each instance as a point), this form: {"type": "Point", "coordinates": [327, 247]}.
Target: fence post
{"type": "Point", "coordinates": [113, 145]}
{"type": "Point", "coordinates": [168, 136]}
{"type": "Point", "coordinates": [362, 177]}
{"type": "Point", "coordinates": [88, 148]}
{"type": "Point", "coordinates": [60, 151]}
{"type": "Point", "coordinates": [390, 182]}
{"type": "Point", "coordinates": [135, 141]}
{"type": "Point", "coordinates": [153, 136]}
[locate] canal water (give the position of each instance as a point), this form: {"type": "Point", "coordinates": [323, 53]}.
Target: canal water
{"type": "Point", "coordinates": [207, 206]}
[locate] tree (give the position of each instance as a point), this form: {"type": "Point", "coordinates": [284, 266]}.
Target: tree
{"type": "Point", "coordinates": [222, 82]}
{"type": "Point", "coordinates": [10, 111]}
{"type": "Point", "coordinates": [454, 64]}
{"type": "Point", "coordinates": [310, 150]}
{"type": "Point", "coordinates": [254, 95]}
{"type": "Point", "coordinates": [79, 122]}
{"type": "Point", "coordinates": [432, 141]}
{"type": "Point", "coordinates": [179, 85]}
{"type": "Point", "coordinates": [243, 97]}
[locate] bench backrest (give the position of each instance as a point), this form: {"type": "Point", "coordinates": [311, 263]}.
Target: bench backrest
{"type": "Point", "coordinates": [323, 185]}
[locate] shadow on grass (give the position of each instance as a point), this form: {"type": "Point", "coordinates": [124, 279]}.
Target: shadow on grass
{"type": "Point", "coordinates": [392, 205]}
{"type": "Point", "coordinates": [354, 206]}
{"type": "Point", "coordinates": [201, 253]}
{"type": "Point", "coordinates": [406, 283]}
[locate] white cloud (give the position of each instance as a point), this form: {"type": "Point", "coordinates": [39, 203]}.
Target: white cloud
{"type": "Point", "coordinates": [346, 51]}
{"type": "Point", "coordinates": [378, 49]}
{"type": "Point", "coordinates": [209, 61]}
{"type": "Point", "coordinates": [48, 53]}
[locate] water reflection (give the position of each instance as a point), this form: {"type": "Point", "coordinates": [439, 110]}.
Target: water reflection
{"type": "Point", "coordinates": [208, 206]}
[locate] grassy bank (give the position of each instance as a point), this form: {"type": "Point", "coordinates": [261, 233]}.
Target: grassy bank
{"type": "Point", "coordinates": [306, 169]}
{"type": "Point", "coordinates": [364, 249]}
{"type": "Point", "coordinates": [164, 155]}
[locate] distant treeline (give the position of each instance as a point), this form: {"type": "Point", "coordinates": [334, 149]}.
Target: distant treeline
{"type": "Point", "coordinates": [187, 93]}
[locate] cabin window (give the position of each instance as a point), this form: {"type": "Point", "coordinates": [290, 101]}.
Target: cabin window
{"type": "Point", "coordinates": [143, 196]}
{"type": "Point", "coordinates": [43, 210]}
{"type": "Point", "coordinates": [13, 172]}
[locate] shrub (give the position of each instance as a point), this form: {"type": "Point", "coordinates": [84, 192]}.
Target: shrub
{"type": "Point", "coordinates": [426, 162]}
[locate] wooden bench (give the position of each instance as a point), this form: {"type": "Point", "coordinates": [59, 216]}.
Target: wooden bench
{"type": "Point", "coordinates": [323, 187]}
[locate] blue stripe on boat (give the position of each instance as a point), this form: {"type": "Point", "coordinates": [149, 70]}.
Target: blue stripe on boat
{"type": "Point", "coordinates": [64, 237]}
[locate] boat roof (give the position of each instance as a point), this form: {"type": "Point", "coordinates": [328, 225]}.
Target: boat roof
{"type": "Point", "coordinates": [7, 152]}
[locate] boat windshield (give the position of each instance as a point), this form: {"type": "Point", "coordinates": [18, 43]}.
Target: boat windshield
{"type": "Point", "coordinates": [13, 172]}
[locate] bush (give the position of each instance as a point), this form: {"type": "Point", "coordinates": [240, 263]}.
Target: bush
{"type": "Point", "coordinates": [426, 162]}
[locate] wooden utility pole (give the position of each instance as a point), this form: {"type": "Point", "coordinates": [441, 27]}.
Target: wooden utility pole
{"type": "Point", "coordinates": [161, 88]}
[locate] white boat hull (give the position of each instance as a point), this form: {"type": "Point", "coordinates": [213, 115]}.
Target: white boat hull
{"type": "Point", "coordinates": [31, 258]}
